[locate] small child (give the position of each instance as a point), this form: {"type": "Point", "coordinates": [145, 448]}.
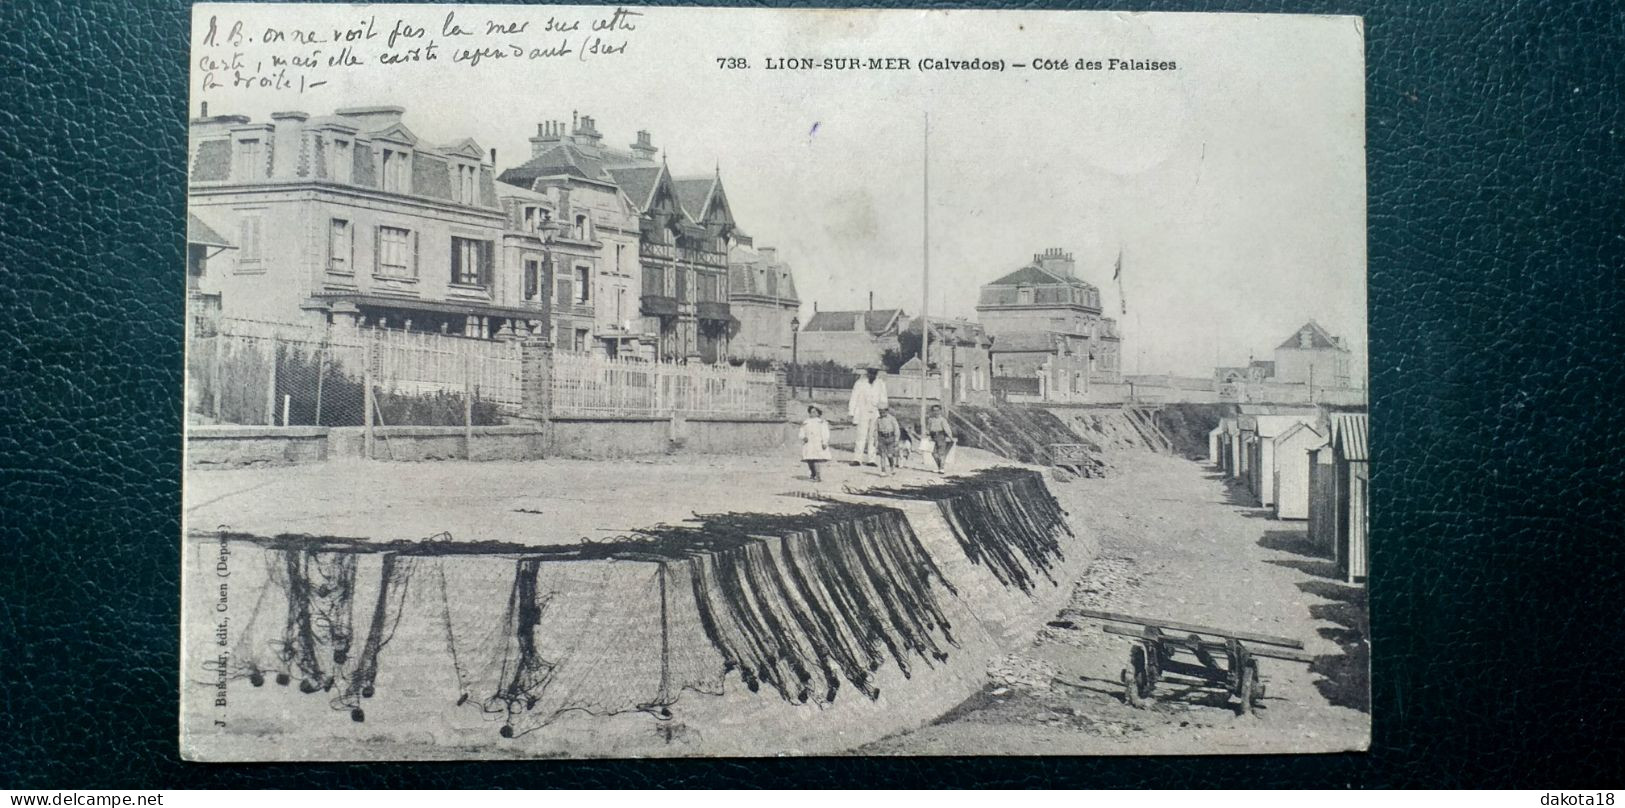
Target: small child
{"type": "Point", "coordinates": [887, 441]}
{"type": "Point", "coordinates": [815, 441]}
{"type": "Point", "coordinates": [942, 437]}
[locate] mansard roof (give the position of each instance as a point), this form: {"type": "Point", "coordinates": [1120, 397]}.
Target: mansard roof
{"type": "Point", "coordinates": [1034, 275]}
{"type": "Point", "coordinates": [742, 266]}
{"type": "Point", "coordinates": [565, 159]}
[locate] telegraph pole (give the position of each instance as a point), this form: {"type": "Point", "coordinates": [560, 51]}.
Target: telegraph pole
{"type": "Point", "coordinates": [925, 294]}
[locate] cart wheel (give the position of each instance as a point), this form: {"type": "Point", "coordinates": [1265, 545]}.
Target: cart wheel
{"type": "Point", "coordinates": [1249, 689]}
{"type": "Point", "coordinates": [1135, 686]}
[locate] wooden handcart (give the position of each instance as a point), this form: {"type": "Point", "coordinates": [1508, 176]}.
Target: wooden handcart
{"type": "Point", "coordinates": [1212, 656]}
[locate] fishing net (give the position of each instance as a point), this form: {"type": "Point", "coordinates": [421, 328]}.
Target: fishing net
{"type": "Point", "coordinates": [1023, 434]}
{"type": "Point", "coordinates": [800, 606]}
{"type": "Point", "coordinates": [1004, 518]}
{"type": "Point", "coordinates": [302, 625]}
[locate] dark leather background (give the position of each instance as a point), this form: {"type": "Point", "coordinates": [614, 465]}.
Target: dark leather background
{"type": "Point", "coordinates": [1496, 182]}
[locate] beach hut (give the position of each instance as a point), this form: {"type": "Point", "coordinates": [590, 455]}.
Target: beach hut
{"type": "Point", "coordinates": [1261, 473]}
{"type": "Point", "coordinates": [1340, 495]}
{"type": "Point", "coordinates": [1323, 501]}
{"type": "Point", "coordinates": [1213, 439]}
{"type": "Point", "coordinates": [1246, 431]}
{"type": "Point", "coordinates": [1351, 461]}
{"type": "Point", "coordinates": [1293, 453]}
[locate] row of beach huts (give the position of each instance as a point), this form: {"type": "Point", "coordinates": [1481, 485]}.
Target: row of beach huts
{"type": "Point", "coordinates": [1304, 464]}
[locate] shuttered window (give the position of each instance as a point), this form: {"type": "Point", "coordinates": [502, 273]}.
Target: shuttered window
{"type": "Point", "coordinates": [249, 230]}
{"type": "Point", "coordinates": [339, 247]}
{"type": "Point", "coordinates": [397, 171]}
{"type": "Point", "coordinates": [471, 262]}
{"type": "Point", "coordinates": [533, 279]}
{"type": "Point", "coordinates": [397, 252]}
{"type": "Point", "coordinates": [343, 161]}
{"type": "Point", "coordinates": [583, 288]}
{"type": "Point", "coordinates": [250, 160]}
{"type": "Point", "coordinates": [467, 184]}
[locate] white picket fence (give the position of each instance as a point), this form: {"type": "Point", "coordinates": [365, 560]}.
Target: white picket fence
{"type": "Point", "coordinates": [587, 385]}
{"type": "Point", "coordinates": [426, 363]}
{"type": "Point", "coordinates": [583, 385]}
{"type": "Point", "coordinates": [405, 362]}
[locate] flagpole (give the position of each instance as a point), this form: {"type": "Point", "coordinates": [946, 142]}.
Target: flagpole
{"type": "Point", "coordinates": [925, 294]}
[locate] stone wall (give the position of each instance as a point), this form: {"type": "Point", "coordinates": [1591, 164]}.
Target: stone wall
{"type": "Point", "coordinates": [596, 439]}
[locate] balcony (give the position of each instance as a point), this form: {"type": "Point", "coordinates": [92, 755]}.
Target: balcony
{"type": "Point", "coordinates": [660, 305]}
{"type": "Point", "coordinates": [711, 310]}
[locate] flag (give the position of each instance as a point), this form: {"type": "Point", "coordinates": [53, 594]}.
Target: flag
{"type": "Point", "coordinates": [1117, 275]}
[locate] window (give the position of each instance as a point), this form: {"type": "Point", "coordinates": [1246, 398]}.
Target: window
{"type": "Point", "coordinates": [561, 290]}
{"type": "Point", "coordinates": [620, 269]}
{"type": "Point", "coordinates": [583, 285]}
{"type": "Point", "coordinates": [343, 161]}
{"type": "Point", "coordinates": [533, 279]}
{"type": "Point", "coordinates": [339, 247]}
{"type": "Point", "coordinates": [470, 262]}
{"type": "Point", "coordinates": [581, 227]}
{"type": "Point", "coordinates": [250, 164]}
{"type": "Point", "coordinates": [397, 252]}
{"type": "Point", "coordinates": [249, 230]}
{"type": "Point", "coordinates": [581, 339]}
{"type": "Point", "coordinates": [467, 186]}
{"type": "Point", "coordinates": [397, 171]}
{"type": "Point", "coordinates": [1024, 295]}
{"type": "Point", "coordinates": [535, 217]}
{"type": "Point", "coordinates": [620, 305]}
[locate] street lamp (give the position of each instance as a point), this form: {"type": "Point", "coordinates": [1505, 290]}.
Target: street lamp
{"type": "Point", "coordinates": [547, 229]}
{"type": "Point", "coordinates": [795, 346]}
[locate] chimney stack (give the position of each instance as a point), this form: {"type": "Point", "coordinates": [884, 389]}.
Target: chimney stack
{"type": "Point", "coordinates": [1057, 261]}
{"type": "Point", "coordinates": [871, 301]}
{"type": "Point", "coordinates": [548, 134]}
{"type": "Point", "coordinates": [643, 148]}
{"type": "Point", "coordinates": [493, 158]}
{"type": "Point", "coordinates": [586, 132]}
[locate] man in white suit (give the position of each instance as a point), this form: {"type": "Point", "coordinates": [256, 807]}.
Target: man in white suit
{"type": "Point", "coordinates": [868, 396]}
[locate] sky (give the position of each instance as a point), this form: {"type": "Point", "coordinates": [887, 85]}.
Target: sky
{"type": "Point", "coordinates": [1233, 186]}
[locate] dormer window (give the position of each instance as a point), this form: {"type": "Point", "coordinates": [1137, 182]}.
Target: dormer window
{"type": "Point", "coordinates": [342, 166]}
{"type": "Point", "coordinates": [250, 160]}
{"type": "Point", "coordinates": [397, 171]}
{"type": "Point", "coordinates": [535, 218]}
{"type": "Point", "coordinates": [466, 184]}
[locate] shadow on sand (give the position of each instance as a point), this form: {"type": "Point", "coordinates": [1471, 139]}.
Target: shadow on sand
{"type": "Point", "coordinates": [1296, 542]}
{"type": "Point", "coordinates": [1346, 676]}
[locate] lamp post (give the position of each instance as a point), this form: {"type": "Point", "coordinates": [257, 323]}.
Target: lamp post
{"type": "Point", "coordinates": [547, 229]}
{"type": "Point", "coordinates": [795, 348]}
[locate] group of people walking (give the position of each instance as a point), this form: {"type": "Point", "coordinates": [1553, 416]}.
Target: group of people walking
{"type": "Point", "coordinates": [881, 440]}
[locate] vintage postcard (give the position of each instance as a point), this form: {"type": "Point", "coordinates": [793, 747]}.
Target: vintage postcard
{"type": "Point", "coordinates": [638, 381]}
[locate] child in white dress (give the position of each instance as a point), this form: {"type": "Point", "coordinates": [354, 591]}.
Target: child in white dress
{"type": "Point", "coordinates": [815, 441]}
